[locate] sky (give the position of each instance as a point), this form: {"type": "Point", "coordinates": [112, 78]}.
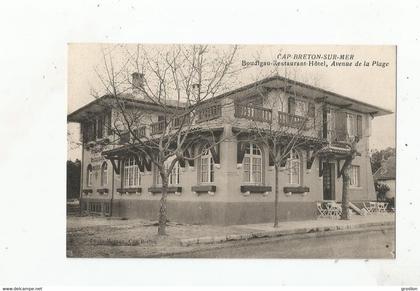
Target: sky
{"type": "Point", "coordinates": [374, 84]}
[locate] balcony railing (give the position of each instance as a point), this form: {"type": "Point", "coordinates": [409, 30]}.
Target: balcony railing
{"type": "Point", "coordinates": [209, 112]}
{"type": "Point", "coordinates": [291, 120]}
{"type": "Point", "coordinates": [157, 127]}
{"type": "Point", "coordinates": [181, 121]}
{"type": "Point", "coordinates": [253, 112]}
{"type": "Point", "coordinates": [339, 136]}
{"type": "Point", "coordinates": [140, 132]}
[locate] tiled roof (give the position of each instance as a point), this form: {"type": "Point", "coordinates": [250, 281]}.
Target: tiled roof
{"type": "Point", "coordinates": [334, 149]}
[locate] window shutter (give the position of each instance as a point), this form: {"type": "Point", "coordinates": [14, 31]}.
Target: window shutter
{"type": "Point", "coordinates": [325, 123]}
{"type": "Point", "coordinates": [359, 126]}
{"type": "Point", "coordinates": [291, 105]}
{"type": "Point", "coordinates": [85, 132]}
{"type": "Point", "coordinates": [181, 163]}
{"type": "Point", "coordinates": [147, 163]}
{"type": "Point", "coordinates": [270, 160]}
{"type": "Point", "coordinates": [188, 153]}
{"type": "Point", "coordinates": [125, 137]}
{"type": "Point", "coordinates": [311, 110]}
{"type": "Point", "coordinates": [240, 152]}
{"type": "Point", "coordinates": [108, 123]}
{"type": "Point", "coordinates": [101, 122]}
{"type": "Point", "coordinates": [215, 153]}
{"type": "Point", "coordinates": [94, 129]}
{"type": "Point", "coordinates": [341, 126]}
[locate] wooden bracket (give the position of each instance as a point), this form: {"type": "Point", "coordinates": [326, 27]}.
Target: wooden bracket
{"type": "Point", "coordinates": [310, 157]}
{"type": "Point", "coordinates": [116, 166]}
{"type": "Point", "coordinates": [339, 171]}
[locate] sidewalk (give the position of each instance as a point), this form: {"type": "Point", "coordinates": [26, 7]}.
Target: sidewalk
{"type": "Point", "coordinates": [251, 231]}
{"type": "Point", "coordinates": [102, 237]}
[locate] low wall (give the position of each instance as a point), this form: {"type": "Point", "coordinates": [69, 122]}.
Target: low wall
{"type": "Point", "coordinates": [216, 213]}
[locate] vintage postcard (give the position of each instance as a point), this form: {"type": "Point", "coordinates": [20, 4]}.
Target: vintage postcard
{"type": "Point", "coordinates": [231, 151]}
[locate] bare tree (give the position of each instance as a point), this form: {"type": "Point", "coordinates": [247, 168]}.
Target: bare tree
{"type": "Point", "coordinates": [352, 146]}
{"type": "Point", "coordinates": [280, 132]}
{"type": "Point", "coordinates": [176, 85]}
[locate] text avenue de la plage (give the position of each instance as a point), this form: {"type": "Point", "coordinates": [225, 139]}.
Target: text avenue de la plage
{"type": "Point", "coordinates": [316, 60]}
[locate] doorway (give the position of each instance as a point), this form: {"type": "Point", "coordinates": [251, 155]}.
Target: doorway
{"type": "Point", "coordinates": [328, 181]}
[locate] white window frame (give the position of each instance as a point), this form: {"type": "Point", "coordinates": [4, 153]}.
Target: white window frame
{"type": "Point", "coordinates": [131, 173]}
{"type": "Point", "coordinates": [294, 162]}
{"type": "Point", "coordinates": [354, 181]}
{"type": "Point", "coordinates": [104, 174]}
{"type": "Point", "coordinates": [206, 168]}
{"type": "Point", "coordinates": [253, 165]}
{"type": "Point", "coordinates": [89, 175]}
{"type": "Point", "coordinates": [174, 176]}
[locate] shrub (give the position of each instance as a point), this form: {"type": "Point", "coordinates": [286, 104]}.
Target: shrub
{"type": "Point", "coordinates": [381, 190]}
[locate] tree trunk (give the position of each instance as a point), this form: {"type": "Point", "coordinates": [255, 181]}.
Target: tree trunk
{"type": "Point", "coordinates": [345, 198]}
{"type": "Point", "coordinates": [162, 211]}
{"type": "Point", "coordinates": [276, 196]}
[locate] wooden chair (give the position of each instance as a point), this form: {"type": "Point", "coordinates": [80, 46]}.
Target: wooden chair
{"type": "Point", "coordinates": [369, 209]}
{"type": "Point", "coordinates": [332, 210]}
{"type": "Point", "coordinates": [323, 212]}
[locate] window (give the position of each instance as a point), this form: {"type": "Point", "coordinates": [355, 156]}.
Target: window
{"type": "Point", "coordinates": [89, 175]}
{"type": "Point", "coordinates": [104, 174]}
{"type": "Point", "coordinates": [173, 178]}
{"type": "Point", "coordinates": [355, 176]}
{"type": "Point", "coordinates": [351, 125]}
{"type": "Point", "coordinates": [252, 164]}
{"type": "Point", "coordinates": [294, 167]}
{"type": "Point", "coordinates": [131, 173]}
{"type": "Point", "coordinates": [206, 168]}
{"type": "Point", "coordinates": [300, 108]}
{"type": "Point", "coordinates": [330, 121]}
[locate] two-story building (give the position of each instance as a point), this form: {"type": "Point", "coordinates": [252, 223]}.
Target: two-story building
{"type": "Point", "coordinates": [233, 183]}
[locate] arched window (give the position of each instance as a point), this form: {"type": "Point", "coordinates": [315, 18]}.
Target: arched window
{"type": "Point", "coordinates": [252, 164]}
{"type": "Point", "coordinates": [131, 173]}
{"type": "Point", "coordinates": [89, 175]}
{"type": "Point", "coordinates": [294, 167]}
{"type": "Point", "coordinates": [173, 178]}
{"type": "Point", "coordinates": [104, 174]}
{"type": "Point", "coordinates": [206, 167]}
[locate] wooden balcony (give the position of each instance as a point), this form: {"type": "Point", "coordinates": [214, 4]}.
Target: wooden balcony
{"type": "Point", "coordinates": [209, 112]}
{"type": "Point", "coordinates": [252, 112]}
{"type": "Point", "coordinates": [291, 120]}
{"type": "Point", "coordinates": [181, 121]}
{"type": "Point", "coordinates": [157, 127]}
{"type": "Point", "coordinates": [338, 136]}
{"type": "Point", "coordinates": [140, 132]}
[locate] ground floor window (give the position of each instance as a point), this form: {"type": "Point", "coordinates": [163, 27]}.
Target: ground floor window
{"type": "Point", "coordinates": [131, 173]}
{"type": "Point", "coordinates": [252, 164]}
{"type": "Point", "coordinates": [104, 174]}
{"type": "Point", "coordinates": [206, 168]}
{"type": "Point", "coordinates": [89, 175]}
{"type": "Point", "coordinates": [294, 168]}
{"type": "Point", "coordinates": [355, 176]}
{"type": "Point", "coordinates": [174, 175]}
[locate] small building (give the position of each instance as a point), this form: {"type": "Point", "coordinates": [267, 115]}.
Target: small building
{"type": "Point", "coordinates": [386, 174]}
{"type": "Point", "coordinates": [232, 183]}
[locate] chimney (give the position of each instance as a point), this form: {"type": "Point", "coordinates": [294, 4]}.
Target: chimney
{"type": "Point", "coordinates": [196, 92]}
{"type": "Point", "coordinates": [137, 82]}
